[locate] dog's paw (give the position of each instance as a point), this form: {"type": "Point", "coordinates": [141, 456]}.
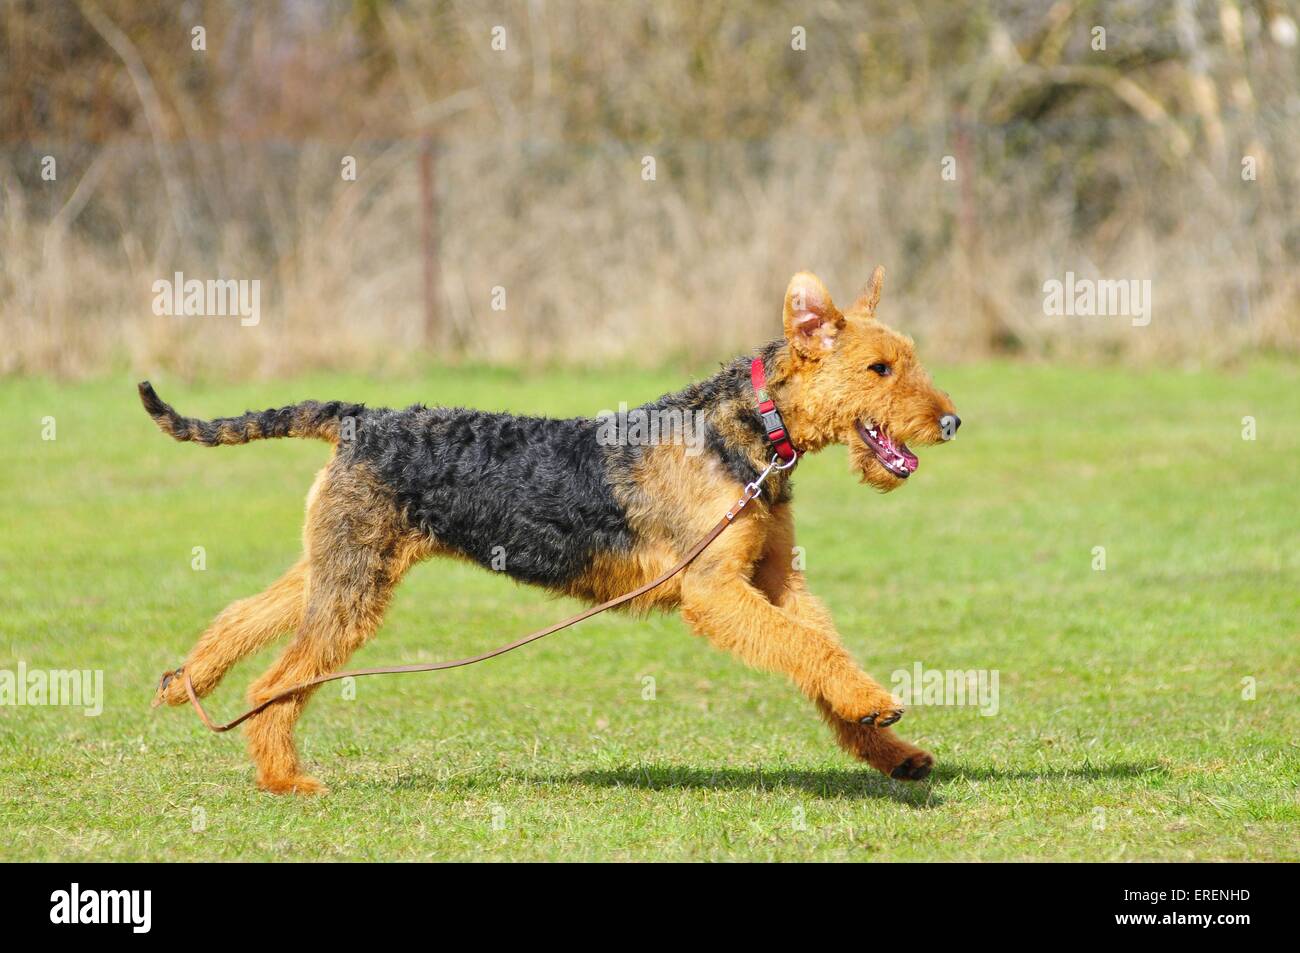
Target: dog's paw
{"type": "Point", "coordinates": [874, 707]}
{"type": "Point", "coordinates": [170, 691]}
{"type": "Point", "coordinates": [915, 768]}
{"type": "Point", "coordinates": [882, 719]}
{"type": "Point", "coordinates": [295, 784]}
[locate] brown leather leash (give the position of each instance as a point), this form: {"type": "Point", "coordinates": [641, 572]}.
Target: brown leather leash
{"type": "Point", "coordinates": [751, 490]}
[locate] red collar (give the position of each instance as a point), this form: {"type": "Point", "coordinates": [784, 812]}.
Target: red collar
{"type": "Point", "coordinates": [772, 422]}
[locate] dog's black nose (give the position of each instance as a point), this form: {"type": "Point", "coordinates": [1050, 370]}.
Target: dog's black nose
{"type": "Point", "coordinates": [949, 425]}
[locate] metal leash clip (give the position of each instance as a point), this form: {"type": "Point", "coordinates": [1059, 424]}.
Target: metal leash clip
{"type": "Point", "coordinates": [754, 489]}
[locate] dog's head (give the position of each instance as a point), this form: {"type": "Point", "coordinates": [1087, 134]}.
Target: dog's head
{"type": "Point", "coordinates": [852, 380]}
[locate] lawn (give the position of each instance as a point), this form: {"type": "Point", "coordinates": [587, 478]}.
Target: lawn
{"type": "Point", "coordinates": [1146, 711]}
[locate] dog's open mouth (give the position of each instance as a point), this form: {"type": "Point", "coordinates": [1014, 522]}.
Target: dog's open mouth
{"type": "Point", "coordinates": [893, 455]}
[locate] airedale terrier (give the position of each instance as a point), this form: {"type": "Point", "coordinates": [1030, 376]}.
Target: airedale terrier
{"type": "Point", "coordinates": [590, 518]}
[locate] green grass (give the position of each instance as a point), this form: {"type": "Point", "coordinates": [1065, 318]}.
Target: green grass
{"type": "Point", "coordinates": [1122, 732]}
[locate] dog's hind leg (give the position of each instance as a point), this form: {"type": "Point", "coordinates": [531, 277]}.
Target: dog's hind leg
{"type": "Point", "coordinates": [359, 552]}
{"type": "Point", "coordinates": [337, 622]}
{"type": "Point", "coordinates": [241, 629]}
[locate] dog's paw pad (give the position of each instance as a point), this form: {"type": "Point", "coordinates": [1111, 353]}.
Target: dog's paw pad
{"type": "Point", "coordinates": [915, 768]}
{"type": "Point", "coordinates": [889, 717]}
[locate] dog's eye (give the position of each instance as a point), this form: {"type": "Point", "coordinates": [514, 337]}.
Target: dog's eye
{"type": "Point", "coordinates": [881, 369]}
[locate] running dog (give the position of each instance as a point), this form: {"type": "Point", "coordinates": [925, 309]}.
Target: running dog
{"type": "Point", "coordinates": [588, 517]}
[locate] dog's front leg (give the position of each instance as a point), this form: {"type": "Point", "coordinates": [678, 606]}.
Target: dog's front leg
{"type": "Point", "coordinates": [879, 747]}
{"type": "Point", "coordinates": [784, 586]}
{"type": "Point", "coordinates": [721, 603]}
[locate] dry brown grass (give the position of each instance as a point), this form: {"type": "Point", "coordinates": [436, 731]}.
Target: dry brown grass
{"type": "Point", "coordinates": [1123, 164]}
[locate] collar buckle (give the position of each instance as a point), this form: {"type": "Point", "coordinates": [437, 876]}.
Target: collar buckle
{"type": "Point", "coordinates": [777, 433]}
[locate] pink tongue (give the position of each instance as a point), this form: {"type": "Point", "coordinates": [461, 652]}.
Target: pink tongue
{"type": "Point", "coordinates": [900, 448]}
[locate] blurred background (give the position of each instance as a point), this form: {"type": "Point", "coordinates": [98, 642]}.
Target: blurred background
{"type": "Point", "coordinates": [501, 149]}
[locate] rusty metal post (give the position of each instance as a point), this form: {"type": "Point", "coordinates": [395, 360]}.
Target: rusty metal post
{"type": "Point", "coordinates": [429, 243]}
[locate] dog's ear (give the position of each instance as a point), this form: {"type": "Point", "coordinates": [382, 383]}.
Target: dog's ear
{"type": "Point", "coordinates": [870, 296]}
{"type": "Point", "coordinates": [812, 321]}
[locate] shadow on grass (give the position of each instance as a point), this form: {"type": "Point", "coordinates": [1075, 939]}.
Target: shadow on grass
{"type": "Point", "coordinates": [841, 782]}
{"type": "Point", "coordinates": [1084, 772]}
{"type": "Point", "coordinates": [829, 783]}
{"type": "Point", "coordinates": [825, 783]}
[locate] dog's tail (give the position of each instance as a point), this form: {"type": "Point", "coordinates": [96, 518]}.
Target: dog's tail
{"type": "Point", "coordinates": [308, 419]}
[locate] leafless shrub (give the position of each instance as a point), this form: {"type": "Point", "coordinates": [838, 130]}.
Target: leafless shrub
{"type": "Point", "coordinates": [1128, 162]}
